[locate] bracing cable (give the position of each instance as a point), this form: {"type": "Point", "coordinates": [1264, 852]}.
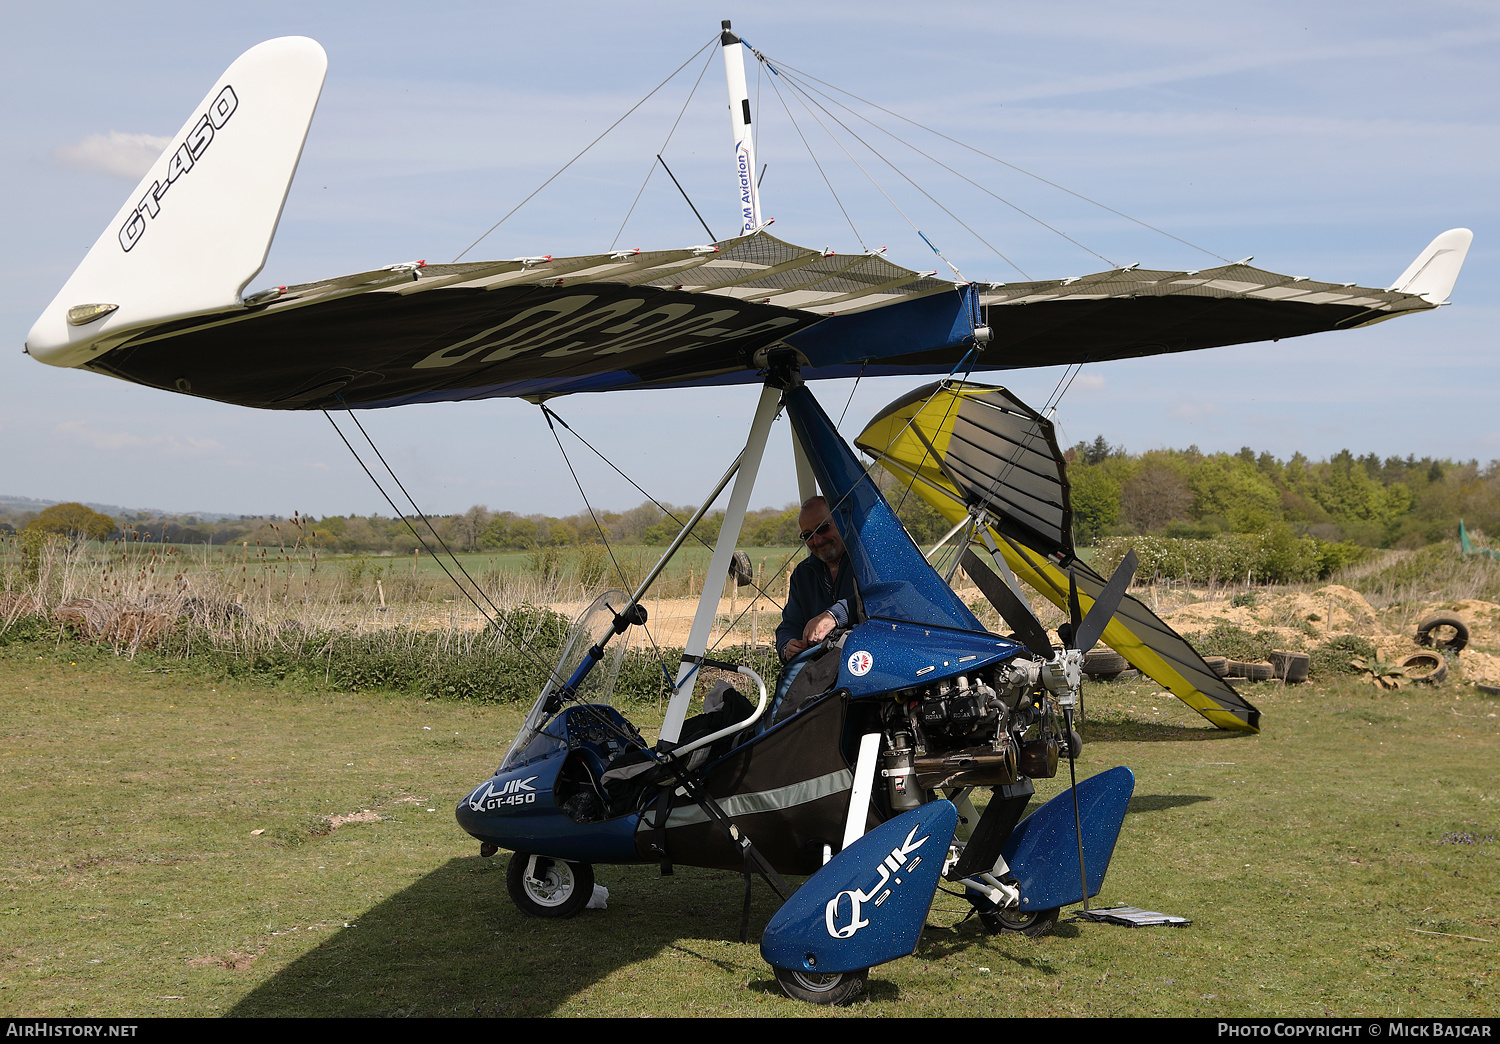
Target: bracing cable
{"type": "Point", "coordinates": [590, 145]}
{"type": "Point", "coordinates": [808, 145]}
{"type": "Point", "coordinates": [1004, 163]}
{"type": "Point", "coordinates": [492, 621]}
{"type": "Point", "coordinates": [668, 140]}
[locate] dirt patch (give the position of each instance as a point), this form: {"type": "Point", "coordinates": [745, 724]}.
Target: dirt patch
{"type": "Point", "coordinates": [363, 816]}
{"type": "Point", "coordinates": [233, 960]}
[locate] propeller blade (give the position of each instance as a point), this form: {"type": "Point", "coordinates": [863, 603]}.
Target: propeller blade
{"type": "Point", "coordinates": [1075, 614]}
{"type": "Point", "coordinates": [1013, 610]}
{"type": "Point", "coordinates": [1105, 605]}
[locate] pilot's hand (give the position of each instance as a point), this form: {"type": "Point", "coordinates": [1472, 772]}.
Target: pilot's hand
{"type": "Point", "coordinates": [793, 647]}
{"type": "Point", "coordinates": [818, 628]}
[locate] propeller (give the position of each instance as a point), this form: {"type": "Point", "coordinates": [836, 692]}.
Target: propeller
{"type": "Point", "coordinates": [1086, 632]}
{"type": "Point", "coordinates": [1012, 609]}
{"type": "Point", "coordinates": [1079, 635]}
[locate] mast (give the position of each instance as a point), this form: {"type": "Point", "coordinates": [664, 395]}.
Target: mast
{"type": "Point", "coordinates": [739, 121]}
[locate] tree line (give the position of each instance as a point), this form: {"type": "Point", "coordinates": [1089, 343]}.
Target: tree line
{"type": "Point", "coordinates": [1363, 501]}
{"type": "Point", "coordinates": [1367, 501]}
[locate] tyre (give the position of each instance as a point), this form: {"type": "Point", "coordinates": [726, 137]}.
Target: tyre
{"type": "Point", "coordinates": [1250, 671]}
{"type": "Point", "coordinates": [543, 887]}
{"type": "Point", "coordinates": [1428, 668]}
{"type": "Point", "coordinates": [1104, 663]}
{"type": "Point", "coordinates": [1443, 630]}
{"type": "Point", "coordinates": [1218, 664]}
{"type": "Point", "coordinates": [1290, 666]}
{"type": "Point", "coordinates": [816, 988]}
{"type": "Point", "coordinates": [1030, 923]}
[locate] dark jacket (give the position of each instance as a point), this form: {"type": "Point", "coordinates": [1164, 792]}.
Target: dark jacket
{"type": "Point", "coordinates": [814, 591]}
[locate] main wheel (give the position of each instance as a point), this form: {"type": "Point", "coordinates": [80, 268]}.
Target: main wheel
{"type": "Point", "coordinates": [543, 887]}
{"type": "Point", "coordinates": [1030, 923]}
{"type": "Point", "coordinates": [817, 988]}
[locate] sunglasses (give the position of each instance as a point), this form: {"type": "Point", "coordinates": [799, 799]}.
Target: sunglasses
{"type": "Point", "coordinates": [808, 534]}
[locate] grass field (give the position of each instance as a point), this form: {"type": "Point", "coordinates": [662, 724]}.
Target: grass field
{"type": "Point", "coordinates": [178, 845]}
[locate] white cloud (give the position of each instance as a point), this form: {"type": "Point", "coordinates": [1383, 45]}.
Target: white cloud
{"type": "Point", "coordinates": [124, 440]}
{"type": "Point", "coordinates": [1089, 382]}
{"type": "Point", "coordinates": [127, 156]}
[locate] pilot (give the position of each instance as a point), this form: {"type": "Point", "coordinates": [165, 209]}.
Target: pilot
{"type": "Point", "coordinates": [823, 592]}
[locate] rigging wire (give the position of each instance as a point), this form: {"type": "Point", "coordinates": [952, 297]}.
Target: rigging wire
{"type": "Point", "coordinates": [1004, 163]}
{"type": "Point", "coordinates": [492, 621]}
{"type": "Point", "coordinates": [603, 536]}
{"type": "Point", "coordinates": [805, 98]}
{"type": "Point", "coordinates": [933, 159]}
{"type": "Point", "coordinates": [418, 511]}
{"type": "Point", "coordinates": [666, 511]}
{"type": "Point", "coordinates": [858, 377]}
{"type": "Point", "coordinates": [586, 148]}
{"type": "Point", "coordinates": [621, 231]}
{"type": "Point", "coordinates": [821, 172]}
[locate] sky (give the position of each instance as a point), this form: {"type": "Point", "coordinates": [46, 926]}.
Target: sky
{"type": "Point", "coordinates": [1326, 140]}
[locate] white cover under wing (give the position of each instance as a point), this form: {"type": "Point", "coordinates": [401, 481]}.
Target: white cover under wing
{"type": "Point", "coordinates": [198, 227]}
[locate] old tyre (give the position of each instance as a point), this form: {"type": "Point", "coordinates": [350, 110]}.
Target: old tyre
{"type": "Point", "coordinates": [1428, 668]}
{"type": "Point", "coordinates": [1030, 923]}
{"type": "Point", "coordinates": [1290, 666]}
{"type": "Point", "coordinates": [816, 988]}
{"type": "Point", "coordinates": [1251, 671]}
{"type": "Point", "coordinates": [1103, 663]}
{"type": "Point", "coordinates": [543, 887]}
{"type": "Point", "coordinates": [1443, 630]}
{"type": "Point", "coordinates": [1218, 664]}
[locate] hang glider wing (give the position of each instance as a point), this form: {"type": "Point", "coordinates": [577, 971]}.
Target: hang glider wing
{"type": "Point", "coordinates": [947, 441]}
{"type": "Point", "coordinates": [538, 327]}
{"type": "Point", "coordinates": [159, 300]}
{"type": "Point", "coordinates": [997, 453]}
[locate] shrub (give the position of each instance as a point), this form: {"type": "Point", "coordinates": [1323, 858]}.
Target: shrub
{"type": "Point", "coordinates": [1334, 656]}
{"type": "Point", "coordinates": [1236, 643]}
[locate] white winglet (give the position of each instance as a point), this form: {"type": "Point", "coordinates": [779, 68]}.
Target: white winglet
{"type": "Point", "coordinates": [197, 228]}
{"type": "Point", "coordinates": [1435, 270]}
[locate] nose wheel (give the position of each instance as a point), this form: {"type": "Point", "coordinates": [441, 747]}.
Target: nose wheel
{"type": "Point", "coordinates": [817, 988]}
{"type": "Point", "coordinates": [545, 887]}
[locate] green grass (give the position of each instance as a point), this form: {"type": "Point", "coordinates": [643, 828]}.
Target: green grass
{"type": "Point", "coordinates": [1314, 860]}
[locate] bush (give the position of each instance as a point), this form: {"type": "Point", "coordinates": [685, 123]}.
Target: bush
{"type": "Point", "coordinates": [1276, 556]}
{"type": "Point", "coordinates": [1236, 643]}
{"type": "Point", "coordinates": [1333, 657]}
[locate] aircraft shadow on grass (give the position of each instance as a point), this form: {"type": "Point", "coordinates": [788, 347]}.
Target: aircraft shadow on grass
{"type": "Point", "coordinates": [452, 944]}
